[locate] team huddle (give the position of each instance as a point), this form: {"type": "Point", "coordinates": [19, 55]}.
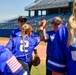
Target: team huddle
{"type": "Point", "coordinates": [16, 57]}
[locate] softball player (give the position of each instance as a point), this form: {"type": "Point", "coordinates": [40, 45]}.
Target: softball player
{"type": "Point", "coordinates": [17, 32]}
{"type": "Point", "coordinates": [23, 46]}
{"type": "Point", "coordinates": [9, 64]}
{"type": "Point", "coordinates": [49, 36]}
{"type": "Point", "coordinates": [63, 57]}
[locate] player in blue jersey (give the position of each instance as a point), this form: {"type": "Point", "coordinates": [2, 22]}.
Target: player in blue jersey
{"type": "Point", "coordinates": [17, 32]}
{"type": "Point", "coordinates": [63, 58]}
{"type": "Point", "coordinates": [9, 64]}
{"type": "Point", "coordinates": [23, 46]}
{"type": "Point", "coordinates": [49, 36]}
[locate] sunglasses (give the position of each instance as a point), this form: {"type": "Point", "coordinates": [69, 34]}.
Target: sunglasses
{"type": "Point", "coordinates": [56, 21]}
{"type": "Point", "coordinates": [22, 20]}
{"type": "Point", "coordinates": [55, 24]}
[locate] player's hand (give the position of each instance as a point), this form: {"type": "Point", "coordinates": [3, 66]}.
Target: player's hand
{"type": "Point", "coordinates": [42, 24]}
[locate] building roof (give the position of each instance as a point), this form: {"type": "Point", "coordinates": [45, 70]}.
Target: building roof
{"type": "Point", "coordinates": [46, 4]}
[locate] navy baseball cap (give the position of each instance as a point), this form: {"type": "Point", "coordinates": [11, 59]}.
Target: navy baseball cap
{"type": "Point", "coordinates": [56, 21]}
{"type": "Point", "coordinates": [22, 19]}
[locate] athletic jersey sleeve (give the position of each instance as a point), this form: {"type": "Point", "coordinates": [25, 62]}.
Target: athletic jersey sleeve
{"type": "Point", "coordinates": [47, 35]}
{"type": "Point", "coordinates": [37, 40]}
{"type": "Point", "coordinates": [12, 34]}
{"type": "Point", "coordinates": [57, 60]}
{"type": "Point", "coordinates": [14, 66]}
{"type": "Point", "coordinates": [15, 33]}
{"type": "Point", "coordinates": [10, 45]}
{"type": "Point", "coordinates": [9, 64]}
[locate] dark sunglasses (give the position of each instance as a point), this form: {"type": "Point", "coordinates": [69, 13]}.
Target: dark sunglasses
{"type": "Point", "coordinates": [56, 21]}
{"type": "Point", "coordinates": [55, 24]}
{"type": "Point", "coordinates": [22, 21]}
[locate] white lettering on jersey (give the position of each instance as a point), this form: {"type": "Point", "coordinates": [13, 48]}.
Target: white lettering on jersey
{"type": "Point", "coordinates": [25, 73]}
{"type": "Point", "coordinates": [73, 53]}
{"type": "Point", "coordinates": [52, 38]}
{"type": "Point", "coordinates": [25, 45]}
{"type": "Point", "coordinates": [18, 34]}
{"type": "Point", "coordinates": [74, 41]}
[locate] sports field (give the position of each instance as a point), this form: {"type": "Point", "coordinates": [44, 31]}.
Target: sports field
{"type": "Point", "coordinates": [41, 48]}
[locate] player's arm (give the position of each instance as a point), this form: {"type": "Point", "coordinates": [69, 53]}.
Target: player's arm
{"type": "Point", "coordinates": [9, 63]}
{"type": "Point", "coordinates": [12, 34]}
{"type": "Point", "coordinates": [36, 40]}
{"type": "Point", "coordinates": [10, 45]}
{"type": "Point", "coordinates": [35, 51]}
{"type": "Point", "coordinates": [42, 30]}
{"type": "Point", "coordinates": [15, 67]}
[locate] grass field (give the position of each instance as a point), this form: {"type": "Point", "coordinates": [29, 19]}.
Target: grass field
{"type": "Point", "coordinates": [42, 43]}
{"type": "Point", "coordinates": [39, 70]}
{"type": "Point", "coordinates": [4, 38]}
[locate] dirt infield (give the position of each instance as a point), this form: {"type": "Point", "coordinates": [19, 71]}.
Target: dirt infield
{"type": "Point", "coordinates": [40, 48]}
{"type": "Point", "coordinates": [41, 52]}
{"type": "Point", "coordinates": [3, 42]}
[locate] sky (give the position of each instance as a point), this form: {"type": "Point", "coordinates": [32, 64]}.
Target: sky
{"type": "Point", "coordinates": [10, 9]}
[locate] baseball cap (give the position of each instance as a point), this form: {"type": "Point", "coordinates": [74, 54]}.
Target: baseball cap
{"type": "Point", "coordinates": [22, 19]}
{"type": "Point", "coordinates": [57, 21]}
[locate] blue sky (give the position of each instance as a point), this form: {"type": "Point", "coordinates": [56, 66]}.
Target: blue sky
{"type": "Point", "coordinates": [13, 8]}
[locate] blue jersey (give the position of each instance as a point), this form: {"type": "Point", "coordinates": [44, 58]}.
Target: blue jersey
{"type": "Point", "coordinates": [16, 46]}
{"type": "Point", "coordinates": [9, 64]}
{"type": "Point", "coordinates": [50, 37]}
{"type": "Point", "coordinates": [63, 58]}
{"type": "Point", "coordinates": [17, 32]}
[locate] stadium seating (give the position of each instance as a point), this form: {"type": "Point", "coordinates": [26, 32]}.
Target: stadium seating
{"type": "Point", "coordinates": [33, 21]}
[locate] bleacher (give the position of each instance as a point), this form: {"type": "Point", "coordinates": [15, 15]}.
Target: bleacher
{"type": "Point", "coordinates": [33, 21]}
